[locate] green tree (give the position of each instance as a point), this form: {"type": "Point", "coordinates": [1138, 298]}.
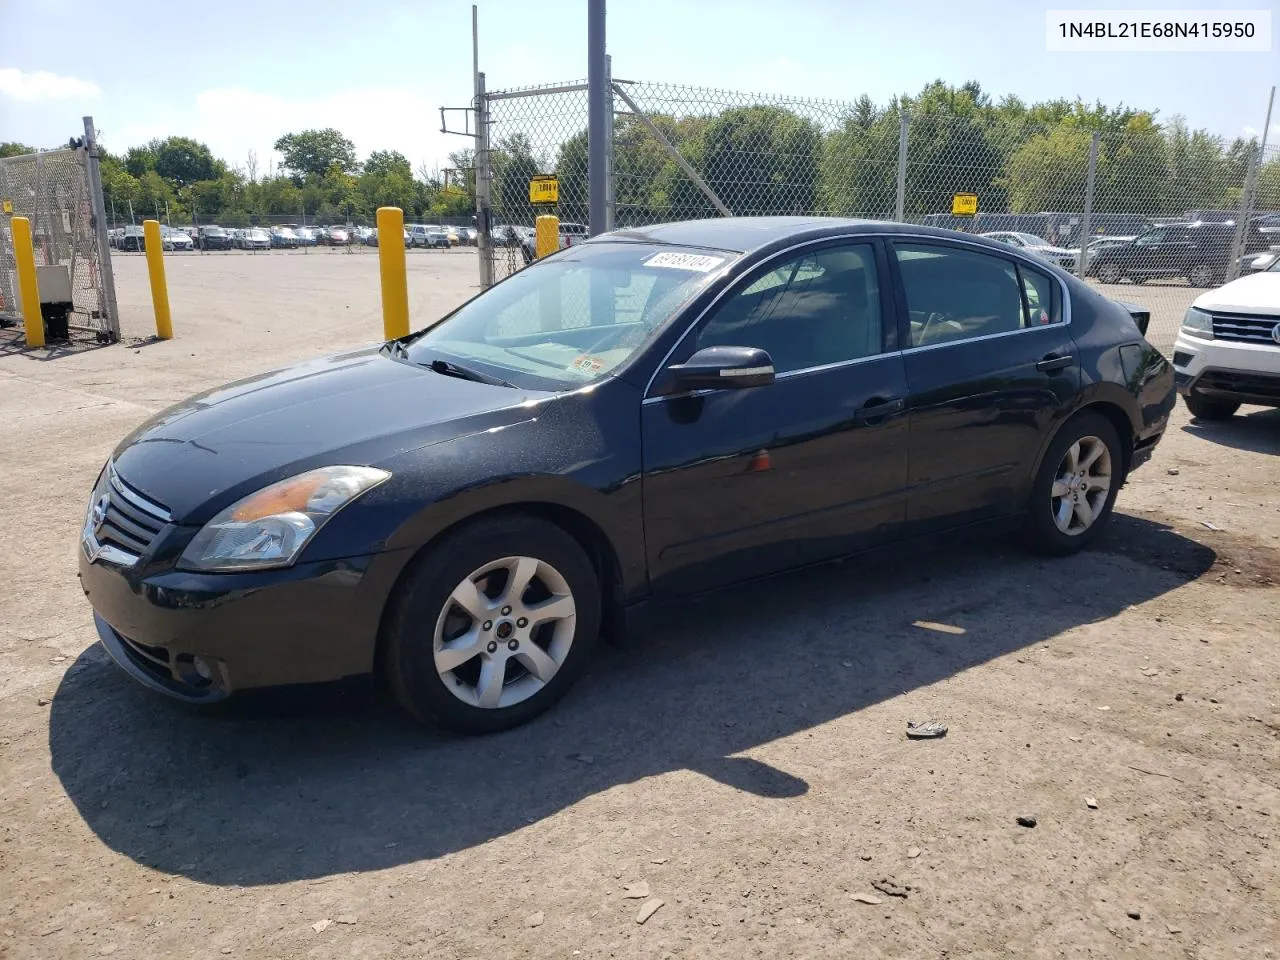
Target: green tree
{"type": "Point", "coordinates": [311, 153]}
{"type": "Point", "coordinates": [138, 160]}
{"type": "Point", "coordinates": [513, 167]}
{"type": "Point", "coordinates": [184, 161]}
{"type": "Point", "coordinates": [761, 160]}
{"type": "Point", "coordinates": [11, 148]}
{"type": "Point", "coordinates": [1050, 171]}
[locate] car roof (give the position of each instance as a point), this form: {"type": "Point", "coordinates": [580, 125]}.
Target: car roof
{"type": "Point", "coordinates": [747, 234]}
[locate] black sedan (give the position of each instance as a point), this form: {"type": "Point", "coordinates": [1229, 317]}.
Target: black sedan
{"type": "Point", "coordinates": [649, 414]}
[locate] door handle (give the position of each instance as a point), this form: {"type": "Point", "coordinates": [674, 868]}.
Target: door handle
{"type": "Point", "coordinates": [879, 412]}
{"type": "Point", "coordinates": [1054, 362]}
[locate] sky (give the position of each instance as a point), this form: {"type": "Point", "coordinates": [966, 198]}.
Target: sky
{"type": "Point", "coordinates": [237, 74]}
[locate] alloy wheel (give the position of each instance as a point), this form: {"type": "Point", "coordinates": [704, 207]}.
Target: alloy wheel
{"type": "Point", "coordinates": [504, 632]}
{"type": "Point", "coordinates": [1081, 485]}
{"type": "Point", "coordinates": [1200, 276]}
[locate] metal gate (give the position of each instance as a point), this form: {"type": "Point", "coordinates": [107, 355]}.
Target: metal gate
{"type": "Point", "coordinates": [58, 191]}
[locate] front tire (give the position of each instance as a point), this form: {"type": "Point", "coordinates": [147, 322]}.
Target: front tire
{"type": "Point", "coordinates": [492, 625]}
{"type": "Point", "coordinates": [1075, 490]}
{"type": "Point", "coordinates": [1203, 408]}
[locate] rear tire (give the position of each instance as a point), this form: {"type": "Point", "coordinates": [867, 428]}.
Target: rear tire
{"type": "Point", "coordinates": [516, 654]}
{"type": "Point", "coordinates": [1075, 490]}
{"type": "Point", "coordinates": [1203, 408]}
{"type": "Point", "coordinates": [1201, 275]}
{"type": "Point", "coordinates": [1109, 274]}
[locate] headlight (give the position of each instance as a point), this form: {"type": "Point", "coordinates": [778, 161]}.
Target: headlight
{"type": "Point", "coordinates": [1198, 323]}
{"type": "Point", "coordinates": [269, 528]}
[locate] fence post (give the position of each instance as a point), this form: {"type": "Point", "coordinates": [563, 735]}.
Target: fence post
{"type": "Point", "coordinates": [106, 274]}
{"type": "Point", "coordinates": [484, 187]}
{"type": "Point", "coordinates": [159, 286]}
{"type": "Point", "coordinates": [610, 197]}
{"type": "Point", "coordinates": [24, 255]}
{"type": "Point", "coordinates": [900, 205]}
{"type": "Point", "coordinates": [1240, 239]}
{"type": "Point", "coordinates": [1086, 227]}
{"type": "Point", "coordinates": [597, 103]}
{"type": "Point", "coordinates": [392, 270]}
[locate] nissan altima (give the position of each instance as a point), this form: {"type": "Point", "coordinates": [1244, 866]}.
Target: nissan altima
{"type": "Point", "coordinates": [645, 415]}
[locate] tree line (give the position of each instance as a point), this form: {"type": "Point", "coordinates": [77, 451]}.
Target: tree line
{"type": "Point", "coordinates": [1019, 158]}
{"type": "Point", "coordinates": [759, 159]}
{"type": "Point", "coordinates": [319, 179]}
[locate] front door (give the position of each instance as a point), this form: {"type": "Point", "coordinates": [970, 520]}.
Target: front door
{"type": "Point", "coordinates": [990, 364]}
{"type": "Point", "coordinates": [745, 482]}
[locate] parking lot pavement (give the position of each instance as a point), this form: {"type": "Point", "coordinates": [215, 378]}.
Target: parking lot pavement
{"type": "Point", "coordinates": [745, 757]}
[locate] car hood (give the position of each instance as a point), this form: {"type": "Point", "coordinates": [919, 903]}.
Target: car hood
{"type": "Point", "coordinates": [363, 407]}
{"type": "Point", "coordinates": [1256, 293]}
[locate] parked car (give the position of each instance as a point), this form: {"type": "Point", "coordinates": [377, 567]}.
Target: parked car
{"type": "Point", "coordinates": [213, 238]}
{"type": "Point", "coordinates": [253, 238]}
{"type": "Point", "coordinates": [283, 238]}
{"type": "Point", "coordinates": [1064, 258]}
{"type": "Point", "coordinates": [372, 239]}
{"type": "Point", "coordinates": [335, 236]}
{"type": "Point", "coordinates": [131, 239]}
{"type": "Point", "coordinates": [1196, 252]}
{"type": "Point", "coordinates": [1228, 349]}
{"type": "Point", "coordinates": [452, 233]}
{"type": "Point", "coordinates": [461, 509]}
{"type": "Point", "coordinates": [362, 234]}
{"type": "Point", "coordinates": [306, 236]}
{"type": "Point", "coordinates": [427, 235]}
{"type": "Point", "coordinates": [171, 239]}
{"type": "Point", "coordinates": [1102, 243]}
{"type": "Point", "coordinates": [469, 235]}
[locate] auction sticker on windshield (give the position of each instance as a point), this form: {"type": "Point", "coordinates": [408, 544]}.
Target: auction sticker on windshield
{"type": "Point", "coordinates": [684, 261]}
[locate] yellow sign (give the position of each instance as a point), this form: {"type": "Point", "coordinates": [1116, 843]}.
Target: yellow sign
{"type": "Point", "coordinates": [544, 189]}
{"type": "Point", "coordinates": [964, 204]}
{"type": "Point", "coordinates": [7, 205]}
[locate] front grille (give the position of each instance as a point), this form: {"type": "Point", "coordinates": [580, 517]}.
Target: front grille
{"type": "Point", "coordinates": [132, 521]}
{"type": "Point", "coordinates": [1244, 328]}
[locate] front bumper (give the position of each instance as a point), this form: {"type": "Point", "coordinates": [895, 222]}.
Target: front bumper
{"type": "Point", "coordinates": [199, 637]}
{"type": "Point", "coordinates": [1227, 370]}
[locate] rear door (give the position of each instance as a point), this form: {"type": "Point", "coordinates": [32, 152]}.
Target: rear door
{"type": "Point", "coordinates": [991, 367]}
{"type": "Point", "coordinates": [1172, 253]}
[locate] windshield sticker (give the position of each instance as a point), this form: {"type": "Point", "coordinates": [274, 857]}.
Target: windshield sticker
{"type": "Point", "coordinates": [586, 365]}
{"type": "Point", "coordinates": [701, 263]}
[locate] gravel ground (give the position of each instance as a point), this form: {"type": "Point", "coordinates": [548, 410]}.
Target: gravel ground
{"type": "Point", "coordinates": [743, 760]}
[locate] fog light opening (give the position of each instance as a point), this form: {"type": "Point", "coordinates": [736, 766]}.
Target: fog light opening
{"type": "Point", "coordinates": [195, 671]}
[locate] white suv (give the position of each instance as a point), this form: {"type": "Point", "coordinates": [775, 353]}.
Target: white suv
{"type": "Point", "coordinates": [1228, 350]}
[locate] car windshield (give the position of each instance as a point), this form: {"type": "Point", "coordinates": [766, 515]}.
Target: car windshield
{"type": "Point", "coordinates": [1275, 266]}
{"type": "Point", "coordinates": [574, 317]}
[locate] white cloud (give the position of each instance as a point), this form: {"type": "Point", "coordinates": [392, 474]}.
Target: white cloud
{"type": "Point", "coordinates": [40, 85]}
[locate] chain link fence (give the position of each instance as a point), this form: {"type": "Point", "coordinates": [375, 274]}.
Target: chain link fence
{"type": "Point", "coordinates": [1076, 187]}
{"type": "Point", "coordinates": [53, 190]}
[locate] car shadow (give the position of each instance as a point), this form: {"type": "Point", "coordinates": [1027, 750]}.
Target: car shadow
{"type": "Point", "coordinates": [306, 783]}
{"type": "Point", "coordinates": [1258, 432]}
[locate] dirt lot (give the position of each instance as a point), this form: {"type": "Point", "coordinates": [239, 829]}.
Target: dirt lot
{"type": "Point", "coordinates": [745, 759]}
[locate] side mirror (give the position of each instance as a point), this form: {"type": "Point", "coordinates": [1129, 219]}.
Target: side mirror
{"type": "Point", "coordinates": [724, 368]}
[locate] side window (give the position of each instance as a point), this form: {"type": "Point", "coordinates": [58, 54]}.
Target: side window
{"type": "Point", "coordinates": [818, 308]}
{"type": "Point", "coordinates": [956, 294]}
{"type": "Point", "coordinates": [1042, 303]}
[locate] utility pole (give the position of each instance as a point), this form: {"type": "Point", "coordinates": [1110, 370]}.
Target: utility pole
{"type": "Point", "coordinates": [598, 100]}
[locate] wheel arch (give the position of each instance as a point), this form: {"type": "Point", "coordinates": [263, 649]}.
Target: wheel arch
{"type": "Point", "coordinates": [1118, 417]}
{"type": "Point", "coordinates": [588, 534]}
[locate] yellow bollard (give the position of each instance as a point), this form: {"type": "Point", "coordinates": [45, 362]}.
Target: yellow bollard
{"type": "Point", "coordinates": [28, 287]}
{"type": "Point", "coordinates": [546, 235]}
{"type": "Point", "coordinates": [159, 287]}
{"type": "Point", "coordinates": [391, 266]}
